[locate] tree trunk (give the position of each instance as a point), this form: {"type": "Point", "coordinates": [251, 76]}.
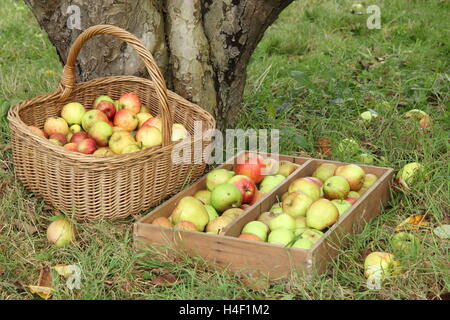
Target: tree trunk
{"type": "Point", "coordinates": [202, 46]}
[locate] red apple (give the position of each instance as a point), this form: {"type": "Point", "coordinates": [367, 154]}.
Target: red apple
{"type": "Point", "coordinates": [79, 136]}
{"type": "Point", "coordinates": [245, 185]}
{"type": "Point", "coordinates": [154, 122]}
{"type": "Point", "coordinates": [251, 165]}
{"type": "Point", "coordinates": [130, 101]}
{"type": "Point", "coordinates": [316, 180]}
{"type": "Point", "coordinates": [351, 200]}
{"type": "Point", "coordinates": [87, 146]}
{"type": "Point", "coordinates": [60, 137]}
{"type": "Point", "coordinates": [71, 147]}
{"type": "Point", "coordinates": [107, 108]}
{"type": "Point", "coordinates": [126, 119]}
{"type": "Point", "coordinates": [258, 195]}
{"type": "Point", "coordinates": [38, 131]}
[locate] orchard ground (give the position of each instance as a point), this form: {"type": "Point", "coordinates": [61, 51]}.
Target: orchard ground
{"type": "Point", "coordinates": [317, 68]}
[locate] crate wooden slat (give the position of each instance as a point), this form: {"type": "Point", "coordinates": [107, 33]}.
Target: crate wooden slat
{"type": "Point", "coordinates": [265, 259]}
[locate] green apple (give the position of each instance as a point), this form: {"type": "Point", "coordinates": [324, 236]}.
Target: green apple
{"type": "Point", "coordinates": [281, 236]}
{"type": "Point", "coordinates": [354, 195]}
{"type": "Point", "coordinates": [303, 243]}
{"type": "Point", "coordinates": [218, 176]}
{"type": "Point", "coordinates": [233, 212]}
{"type": "Point", "coordinates": [366, 158]}
{"type": "Point", "coordinates": [225, 196]}
{"type": "Point", "coordinates": [296, 204]}
{"type": "Point", "coordinates": [276, 208]}
{"type": "Point", "coordinates": [405, 243]}
{"type": "Point", "coordinates": [283, 221]}
{"type": "Point", "coordinates": [409, 173]}
{"type": "Point", "coordinates": [336, 187]}
{"type": "Point", "coordinates": [101, 132]}
{"type": "Point", "coordinates": [212, 213]}
{"type": "Point", "coordinates": [257, 228]}
{"type": "Point", "coordinates": [270, 182]}
{"type": "Point", "coordinates": [267, 216]}
{"type": "Point", "coordinates": [100, 99]}
{"type": "Point", "coordinates": [324, 171]}
{"type": "Point", "coordinates": [342, 205]}
{"type": "Point", "coordinates": [369, 115]}
{"type": "Point", "coordinates": [73, 113]}
{"type": "Point", "coordinates": [369, 180]}
{"type": "Point", "coordinates": [286, 168]}
{"type": "Point", "coordinates": [307, 186]}
{"type": "Point", "coordinates": [192, 210]}
{"type": "Point", "coordinates": [217, 225]}
{"type": "Point", "coordinates": [312, 235]}
{"type": "Point", "coordinates": [91, 117]}
{"type": "Point", "coordinates": [204, 196]}
{"type": "Point", "coordinates": [348, 146]}
{"type": "Point", "coordinates": [353, 174]}
{"type": "Point", "coordinates": [300, 225]}
{"type": "Point", "coordinates": [379, 262]}
{"type": "Point", "coordinates": [321, 214]}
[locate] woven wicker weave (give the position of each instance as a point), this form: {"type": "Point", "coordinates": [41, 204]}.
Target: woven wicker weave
{"type": "Point", "coordinates": [112, 187]}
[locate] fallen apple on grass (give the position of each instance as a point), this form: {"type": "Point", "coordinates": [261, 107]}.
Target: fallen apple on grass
{"type": "Point", "coordinates": [61, 233]}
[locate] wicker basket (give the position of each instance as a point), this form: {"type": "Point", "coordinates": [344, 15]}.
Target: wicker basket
{"type": "Point", "coordinates": [112, 187]}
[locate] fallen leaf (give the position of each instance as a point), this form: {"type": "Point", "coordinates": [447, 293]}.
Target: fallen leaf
{"type": "Point", "coordinates": [414, 222]}
{"type": "Point", "coordinates": [44, 288]}
{"type": "Point", "coordinates": [166, 279]}
{"type": "Point", "coordinates": [324, 146]}
{"type": "Point", "coordinates": [4, 185]}
{"type": "Point", "coordinates": [28, 228]}
{"type": "Point", "coordinates": [442, 231]}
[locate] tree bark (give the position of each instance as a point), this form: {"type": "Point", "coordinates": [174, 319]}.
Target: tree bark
{"type": "Point", "coordinates": [202, 46]}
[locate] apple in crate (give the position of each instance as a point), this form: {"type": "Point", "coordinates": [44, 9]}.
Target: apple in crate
{"type": "Point", "coordinates": [369, 180]}
{"type": "Point", "coordinates": [56, 125]}
{"type": "Point", "coordinates": [185, 225]}
{"type": "Point", "coordinates": [162, 221]}
{"type": "Point", "coordinates": [217, 225]}
{"type": "Point", "coordinates": [307, 186]}
{"type": "Point", "coordinates": [126, 119]}
{"type": "Point", "coordinates": [336, 187]}
{"type": "Point", "coordinates": [286, 168]}
{"type": "Point", "coordinates": [212, 213]}
{"type": "Point", "coordinates": [226, 196]}
{"type": "Point", "coordinates": [218, 176]}
{"type": "Point", "coordinates": [101, 132]}
{"type": "Point", "coordinates": [283, 221]}
{"type": "Point", "coordinates": [249, 236]}
{"type": "Point", "coordinates": [108, 108]}
{"type": "Point", "coordinates": [296, 204]}
{"type": "Point", "coordinates": [251, 165]}
{"type": "Point", "coordinates": [130, 101]}
{"type": "Point", "coordinates": [324, 171]}
{"type": "Point", "coordinates": [91, 117]}
{"type": "Point", "coordinates": [192, 210]}
{"type": "Point", "coordinates": [73, 112]}
{"type": "Point", "coordinates": [267, 216]}
{"type": "Point", "coordinates": [321, 214]}
{"type": "Point", "coordinates": [119, 140]}
{"type": "Point", "coordinates": [245, 185]}
{"type": "Point", "coordinates": [39, 131]}
{"type": "Point", "coordinates": [303, 243]}
{"type": "Point", "coordinates": [204, 196]}
{"type": "Point", "coordinates": [233, 213]}
{"type": "Point", "coordinates": [87, 146]}
{"type": "Point", "coordinates": [149, 136]}
{"type": "Point", "coordinates": [257, 228]}
{"type": "Point", "coordinates": [353, 174]}
{"type": "Point", "coordinates": [99, 99]}
{"type": "Point", "coordinates": [270, 182]}
{"type": "Point", "coordinates": [342, 205]}
{"type": "Point", "coordinates": [281, 236]}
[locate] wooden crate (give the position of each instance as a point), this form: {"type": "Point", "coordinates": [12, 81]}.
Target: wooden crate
{"type": "Point", "coordinates": [266, 259]}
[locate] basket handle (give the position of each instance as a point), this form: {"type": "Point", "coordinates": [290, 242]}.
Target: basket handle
{"type": "Point", "coordinates": [69, 79]}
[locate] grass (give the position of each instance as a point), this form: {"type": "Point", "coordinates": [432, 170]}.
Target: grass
{"type": "Point", "coordinates": [317, 68]}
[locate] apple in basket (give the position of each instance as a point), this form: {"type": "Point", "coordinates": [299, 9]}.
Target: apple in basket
{"type": "Point", "coordinates": [100, 99]}
{"type": "Point", "coordinates": [38, 131]}
{"type": "Point", "coordinates": [130, 101]}
{"type": "Point", "coordinates": [73, 112]}
{"type": "Point", "coordinates": [108, 108]}
{"type": "Point", "coordinates": [103, 151]}
{"type": "Point", "coordinates": [119, 140]}
{"type": "Point", "coordinates": [154, 122]}
{"type": "Point", "coordinates": [56, 125]}
{"type": "Point", "coordinates": [59, 137]}
{"type": "Point", "coordinates": [87, 146]}
{"type": "Point", "coordinates": [142, 118]}
{"type": "Point", "coordinates": [91, 117]}
{"type": "Point", "coordinates": [71, 147]}
{"type": "Point", "coordinates": [126, 119]}
{"type": "Point", "coordinates": [101, 132]}
{"type": "Point", "coordinates": [179, 132]}
{"type": "Point", "coordinates": [79, 136]}
{"type": "Point", "coordinates": [149, 136]}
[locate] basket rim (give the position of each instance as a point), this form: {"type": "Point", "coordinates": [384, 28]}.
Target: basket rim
{"type": "Point", "coordinates": [15, 120]}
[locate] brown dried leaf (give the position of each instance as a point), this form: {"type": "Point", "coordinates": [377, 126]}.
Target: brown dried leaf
{"type": "Point", "coordinates": [28, 228]}
{"type": "Point", "coordinates": [413, 222]}
{"type": "Point", "coordinates": [44, 288]}
{"type": "Point", "coordinates": [166, 279]}
{"type": "Point", "coordinates": [324, 146]}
